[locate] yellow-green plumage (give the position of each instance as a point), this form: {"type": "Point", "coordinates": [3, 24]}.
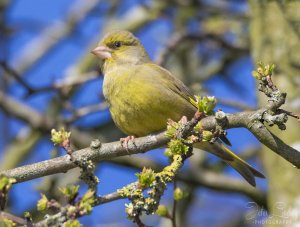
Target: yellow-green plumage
{"type": "Point", "coordinates": [142, 96]}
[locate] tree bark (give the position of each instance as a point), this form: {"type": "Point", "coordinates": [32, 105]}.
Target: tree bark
{"type": "Point", "coordinates": [274, 35]}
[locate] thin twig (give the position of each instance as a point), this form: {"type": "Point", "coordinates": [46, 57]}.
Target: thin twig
{"type": "Point", "coordinates": [83, 111]}
{"type": "Point", "coordinates": [10, 71]}
{"type": "Point", "coordinates": [291, 114]}
{"type": "Point", "coordinates": [174, 205]}
{"type": "Point", "coordinates": [206, 178]}
{"type": "Point", "coordinates": [138, 221]}
{"type": "Point", "coordinates": [59, 85]}
{"type": "Point", "coordinates": [15, 219]}
{"type": "Point", "coordinates": [177, 39]}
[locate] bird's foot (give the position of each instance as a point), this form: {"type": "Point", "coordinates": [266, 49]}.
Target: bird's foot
{"type": "Point", "coordinates": [183, 120]}
{"type": "Point", "coordinates": [126, 140]}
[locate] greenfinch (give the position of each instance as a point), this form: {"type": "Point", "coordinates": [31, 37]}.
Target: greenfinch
{"type": "Point", "coordinates": [142, 96]}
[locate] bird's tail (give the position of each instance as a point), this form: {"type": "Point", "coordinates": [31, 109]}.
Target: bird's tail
{"type": "Point", "coordinates": [246, 170]}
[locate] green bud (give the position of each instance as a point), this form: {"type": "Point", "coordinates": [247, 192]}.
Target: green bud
{"type": "Point", "coordinates": [263, 70]}
{"type": "Point", "coordinates": [42, 204]}
{"type": "Point", "coordinates": [162, 211]}
{"type": "Point", "coordinates": [177, 147]}
{"type": "Point", "coordinates": [70, 191]}
{"type": "Point", "coordinates": [207, 135]}
{"type": "Point", "coordinates": [87, 201]}
{"type": "Point", "coordinates": [146, 177]}
{"type": "Point", "coordinates": [204, 104]}
{"type": "Point", "coordinates": [178, 194]}
{"type": "Point", "coordinates": [256, 75]}
{"type": "Point", "coordinates": [129, 209]}
{"type": "Point", "coordinates": [271, 69]}
{"type": "Point", "coordinates": [6, 183]}
{"type": "Point", "coordinates": [58, 137]}
{"type": "Point", "coordinates": [198, 127]}
{"type": "Point", "coordinates": [172, 127]}
{"type": "Point", "coordinates": [71, 211]}
{"type": "Point", "coordinates": [27, 215]}
{"type": "Point", "coordinates": [210, 104]}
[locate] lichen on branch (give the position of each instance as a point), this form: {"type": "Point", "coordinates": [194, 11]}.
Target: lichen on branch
{"type": "Point", "coordinates": [182, 134]}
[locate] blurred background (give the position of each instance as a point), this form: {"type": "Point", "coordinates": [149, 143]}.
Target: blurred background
{"type": "Point", "coordinates": [49, 79]}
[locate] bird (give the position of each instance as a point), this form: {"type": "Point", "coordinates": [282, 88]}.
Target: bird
{"type": "Point", "coordinates": [142, 96]}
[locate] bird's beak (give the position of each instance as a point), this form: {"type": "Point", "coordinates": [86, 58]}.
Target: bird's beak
{"type": "Point", "coordinates": [102, 52]}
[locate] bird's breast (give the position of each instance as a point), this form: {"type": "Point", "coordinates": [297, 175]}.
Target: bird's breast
{"type": "Point", "coordinates": [141, 104]}
{"type": "Point", "coordinates": [137, 107]}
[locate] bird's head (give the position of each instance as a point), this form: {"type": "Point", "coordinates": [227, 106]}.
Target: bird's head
{"type": "Point", "coordinates": [119, 48]}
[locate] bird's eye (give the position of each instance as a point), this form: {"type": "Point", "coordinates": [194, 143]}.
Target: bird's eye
{"type": "Point", "coordinates": [117, 44]}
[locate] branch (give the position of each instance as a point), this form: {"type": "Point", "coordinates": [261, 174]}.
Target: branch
{"type": "Point", "coordinates": [24, 112]}
{"type": "Point", "coordinates": [106, 151]}
{"type": "Point", "coordinates": [16, 76]}
{"type": "Point", "coordinates": [202, 177]}
{"type": "Point", "coordinates": [83, 111]}
{"type": "Point", "coordinates": [38, 47]}
{"type": "Point", "coordinates": [177, 39]}
{"type": "Point", "coordinates": [43, 121]}
{"type": "Point", "coordinates": [249, 120]}
{"type": "Point", "coordinates": [143, 144]}
{"type": "Point", "coordinates": [15, 219]}
{"type": "Point", "coordinates": [62, 86]}
{"type": "Point", "coordinates": [215, 179]}
{"type": "Point", "coordinates": [62, 217]}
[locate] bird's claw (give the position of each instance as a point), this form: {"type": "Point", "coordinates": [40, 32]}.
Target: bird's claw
{"type": "Point", "coordinates": [183, 120]}
{"type": "Point", "coordinates": [126, 140]}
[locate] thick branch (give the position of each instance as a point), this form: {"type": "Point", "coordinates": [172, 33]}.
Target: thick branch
{"type": "Point", "coordinates": [24, 112]}
{"type": "Point", "coordinates": [249, 120]}
{"type": "Point", "coordinates": [143, 144]}
{"type": "Point", "coordinates": [106, 151]}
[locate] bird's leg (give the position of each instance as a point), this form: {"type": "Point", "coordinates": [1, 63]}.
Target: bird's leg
{"type": "Point", "coordinates": [125, 141]}
{"type": "Point", "coordinates": [183, 120]}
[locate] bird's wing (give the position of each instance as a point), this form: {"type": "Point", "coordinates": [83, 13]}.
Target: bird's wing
{"type": "Point", "coordinates": [172, 82]}
{"type": "Point", "coordinates": [177, 87]}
